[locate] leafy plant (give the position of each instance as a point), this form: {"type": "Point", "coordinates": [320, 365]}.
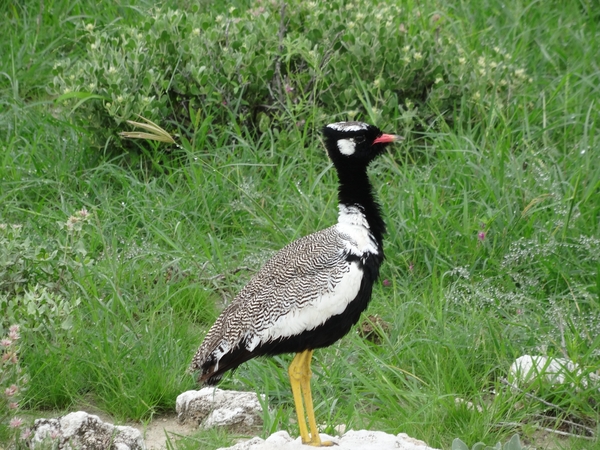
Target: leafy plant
{"type": "Point", "coordinates": [34, 275]}
{"type": "Point", "coordinates": [264, 64]}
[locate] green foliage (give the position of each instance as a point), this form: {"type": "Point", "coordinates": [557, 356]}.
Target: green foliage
{"type": "Point", "coordinates": [491, 202]}
{"type": "Point", "coordinates": [513, 444]}
{"type": "Point", "coordinates": [270, 63]}
{"type": "Point", "coordinates": [34, 275]}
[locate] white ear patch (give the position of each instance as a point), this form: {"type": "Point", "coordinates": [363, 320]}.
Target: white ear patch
{"type": "Point", "coordinates": [346, 146]}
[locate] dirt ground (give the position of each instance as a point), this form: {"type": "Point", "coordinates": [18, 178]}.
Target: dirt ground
{"type": "Point", "coordinates": [155, 432]}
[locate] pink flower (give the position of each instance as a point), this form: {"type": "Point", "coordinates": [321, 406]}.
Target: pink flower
{"type": "Point", "coordinates": [10, 391]}
{"type": "Point", "coordinates": [14, 328]}
{"type": "Point", "coordinates": [386, 282]}
{"type": "Point", "coordinates": [481, 236]}
{"type": "Point", "coordinates": [411, 267]}
{"type": "Point", "coordinates": [26, 433]}
{"type": "Point", "coordinates": [13, 405]}
{"type": "Point", "coordinates": [13, 334]}
{"type": "Point", "coordinates": [15, 422]}
{"type": "Point", "coordinates": [10, 356]}
{"type": "Point", "coordinates": [5, 342]}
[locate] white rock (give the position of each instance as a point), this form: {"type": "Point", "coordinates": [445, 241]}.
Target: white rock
{"type": "Point", "coordinates": [352, 440]}
{"type": "Point", "coordinates": [527, 368]}
{"type": "Point", "coordinates": [240, 412]}
{"type": "Point", "coordinates": [83, 431]}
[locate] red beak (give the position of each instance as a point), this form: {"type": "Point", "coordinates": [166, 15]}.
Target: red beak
{"type": "Point", "coordinates": [387, 138]}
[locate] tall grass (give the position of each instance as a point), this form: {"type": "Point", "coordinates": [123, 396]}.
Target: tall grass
{"type": "Point", "coordinates": [491, 252]}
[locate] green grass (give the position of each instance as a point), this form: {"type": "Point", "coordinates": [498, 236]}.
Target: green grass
{"type": "Point", "coordinates": [172, 230]}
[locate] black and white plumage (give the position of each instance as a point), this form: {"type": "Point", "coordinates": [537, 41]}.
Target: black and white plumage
{"type": "Point", "coordinates": [311, 292]}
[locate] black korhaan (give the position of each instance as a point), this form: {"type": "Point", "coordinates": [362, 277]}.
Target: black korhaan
{"type": "Point", "coordinates": [310, 293]}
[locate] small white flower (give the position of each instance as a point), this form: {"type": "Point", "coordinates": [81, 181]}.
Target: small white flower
{"type": "Point", "coordinates": [89, 27]}
{"type": "Point", "coordinates": [476, 96]}
{"type": "Point", "coordinates": [438, 80]}
{"type": "Point", "coordinates": [112, 70]}
{"type": "Point", "coordinates": [360, 16]}
{"type": "Point", "coordinates": [196, 31]}
{"type": "Point", "coordinates": [232, 9]}
{"type": "Point", "coordinates": [462, 60]}
{"type": "Point", "coordinates": [520, 73]}
{"type": "Point", "coordinates": [406, 49]}
{"type": "Point", "coordinates": [418, 56]}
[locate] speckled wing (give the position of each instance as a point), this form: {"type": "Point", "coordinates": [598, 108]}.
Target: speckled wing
{"type": "Point", "coordinates": [299, 287]}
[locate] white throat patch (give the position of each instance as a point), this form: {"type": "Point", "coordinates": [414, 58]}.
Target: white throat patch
{"type": "Point", "coordinates": [346, 146]}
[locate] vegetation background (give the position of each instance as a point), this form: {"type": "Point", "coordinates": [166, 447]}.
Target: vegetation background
{"type": "Point", "coordinates": [117, 254]}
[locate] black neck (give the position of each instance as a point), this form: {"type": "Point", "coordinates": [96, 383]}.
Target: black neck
{"type": "Point", "coordinates": [355, 190]}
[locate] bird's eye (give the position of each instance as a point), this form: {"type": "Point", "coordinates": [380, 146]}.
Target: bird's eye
{"type": "Point", "coordinates": [359, 139]}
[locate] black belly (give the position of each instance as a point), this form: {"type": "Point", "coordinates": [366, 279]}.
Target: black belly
{"type": "Point", "coordinates": [324, 335]}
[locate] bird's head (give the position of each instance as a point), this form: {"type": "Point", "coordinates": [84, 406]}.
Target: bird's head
{"type": "Point", "coordinates": [355, 142]}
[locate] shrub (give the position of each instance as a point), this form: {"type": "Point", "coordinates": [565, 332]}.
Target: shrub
{"type": "Point", "coordinates": [264, 63]}
{"type": "Point", "coordinates": [34, 274]}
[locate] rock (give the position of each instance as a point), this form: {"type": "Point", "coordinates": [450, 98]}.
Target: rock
{"type": "Point", "coordinates": [83, 431]}
{"type": "Point", "coordinates": [527, 368]}
{"type": "Point", "coordinates": [352, 440]}
{"type": "Point", "coordinates": [239, 412]}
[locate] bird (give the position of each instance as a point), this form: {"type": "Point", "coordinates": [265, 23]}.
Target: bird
{"type": "Point", "coordinates": [312, 291]}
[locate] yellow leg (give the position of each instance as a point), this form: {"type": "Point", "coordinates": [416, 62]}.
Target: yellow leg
{"type": "Point", "coordinates": [300, 375]}
{"type": "Point", "coordinates": [295, 373]}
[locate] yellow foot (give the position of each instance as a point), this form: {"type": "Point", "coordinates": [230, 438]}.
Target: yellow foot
{"type": "Point", "coordinates": [318, 443]}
